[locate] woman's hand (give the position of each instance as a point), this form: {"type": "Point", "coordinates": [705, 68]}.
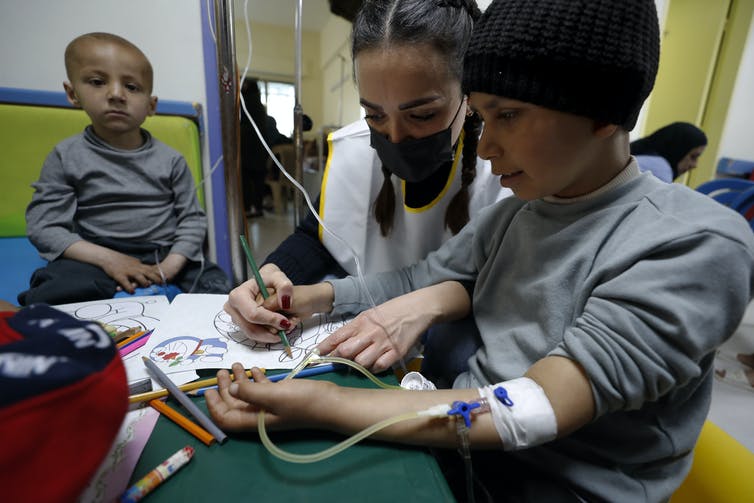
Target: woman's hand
{"type": "Point", "coordinates": [261, 319]}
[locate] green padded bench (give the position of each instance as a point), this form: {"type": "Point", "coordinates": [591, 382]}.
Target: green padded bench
{"type": "Point", "coordinates": [33, 122]}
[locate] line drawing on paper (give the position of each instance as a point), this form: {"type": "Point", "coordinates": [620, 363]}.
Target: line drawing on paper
{"type": "Point", "coordinates": [120, 314]}
{"type": "Point", "coordinates": [188, 351]}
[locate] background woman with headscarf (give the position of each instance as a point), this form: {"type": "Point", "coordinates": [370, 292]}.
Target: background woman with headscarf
{"type": "Point", "coordinates": [670, 151]}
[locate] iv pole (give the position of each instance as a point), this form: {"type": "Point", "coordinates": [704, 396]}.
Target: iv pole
{"type": "Point", "coordinates": [299, 205]}
{"type": "Point", "coordinates": [229, 120]}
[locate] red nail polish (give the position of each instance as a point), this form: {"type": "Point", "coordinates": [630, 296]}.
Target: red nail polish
{"type": "Point", "coordinates": [286, 301]}
{"type": "Point", "coordinates": [285, 324]}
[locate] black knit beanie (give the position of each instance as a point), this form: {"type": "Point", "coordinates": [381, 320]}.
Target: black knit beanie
{"type": "Point", "coordinates": [594, 58]}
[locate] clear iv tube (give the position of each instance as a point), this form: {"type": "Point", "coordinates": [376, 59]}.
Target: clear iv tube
{"type": "Point", "coordinates": [345, 444]}
{"type": "Point", "coordinates": [331, 451]}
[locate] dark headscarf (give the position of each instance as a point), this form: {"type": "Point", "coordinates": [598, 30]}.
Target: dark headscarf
{"type": "Point", "coordinates": [673, 142]}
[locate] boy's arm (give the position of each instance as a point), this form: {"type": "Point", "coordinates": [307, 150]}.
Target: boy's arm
{"type": "Point", "coordinates": [191, 222]}
{"type": "Point", "coordinates": [172, 265]}
{"type": "Point", "coordinates": [127, 271]}
{"type": "Point", "coordinates": [50, 214]}
{"type": "Point", "coordinates": [319, 404]}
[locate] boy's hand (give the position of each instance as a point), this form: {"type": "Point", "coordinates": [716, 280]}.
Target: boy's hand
{"type": "Point", "coordinates": [235, 406]}
{"type": "Point", "coordinates": [129, 272]}
{"type": "Point", "coordinates": [379, 337]}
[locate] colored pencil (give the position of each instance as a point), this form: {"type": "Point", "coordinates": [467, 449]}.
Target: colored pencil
{"type": "Point", "coordinates": [125, 334]}
{"type": "Point", "coordinates": [182, 421]}
{"type": "Point", "coordinates": [184, 400]}
{"type": "Point", "coordinates": [130, 348]}
{"type": "Point", "coordinates": [263, 290]}
{"type": "Point", "coordinates": [138, 335]}
{"type": "Point", "coordinates": [148, 482]}
{"type": "Point", "coordinates": [310, 371]}
{"type": "Point", "coordinates": [143, 397]}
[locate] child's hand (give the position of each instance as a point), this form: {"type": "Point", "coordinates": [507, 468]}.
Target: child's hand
{"type": "Point", "coordinates": [379, 337]}
{"type": "Point", "coordinates": [366, 342]}
{"type": "Point", "coordinates": [234, 406]}
{"type": "Point", "coordinates": [129, 272]}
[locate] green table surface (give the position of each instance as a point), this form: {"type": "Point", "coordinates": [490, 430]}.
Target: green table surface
{"type": "Point", "coordinates": [243, 470]}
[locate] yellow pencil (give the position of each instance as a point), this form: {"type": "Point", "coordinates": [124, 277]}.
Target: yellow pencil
{"type": "Point", "coordinates": [263, 290]}
{"type": "Point", "coordinates": [130, 338]}
{"type": "Point", "coordinates": [125, 334]}
{"type": "Point", "coordinates": [182, 421]}
{"type": "Point", "coordinates": [150, 395]}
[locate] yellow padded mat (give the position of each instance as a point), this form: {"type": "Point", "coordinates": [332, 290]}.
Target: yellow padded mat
{"type": "Point", "coordinates": [28, 133]}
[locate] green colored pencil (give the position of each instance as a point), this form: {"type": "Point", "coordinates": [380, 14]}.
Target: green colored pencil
{"type": "Point", "coordinates": [263, 289]}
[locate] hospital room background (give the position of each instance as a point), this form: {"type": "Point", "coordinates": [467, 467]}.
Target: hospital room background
{"type": "Point", "coordinates": [706, 77]}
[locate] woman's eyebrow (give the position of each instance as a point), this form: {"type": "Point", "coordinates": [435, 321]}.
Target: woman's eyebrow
{"type": "Point", "coordinates": [404, 106]}
{"type": "Point", "coordinates": [418, 102]}
{"type": "Point", "coordinates": [370, 105]}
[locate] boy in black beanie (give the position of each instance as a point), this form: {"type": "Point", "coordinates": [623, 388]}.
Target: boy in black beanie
{"type": "Point", "coordinates": [593, 287]}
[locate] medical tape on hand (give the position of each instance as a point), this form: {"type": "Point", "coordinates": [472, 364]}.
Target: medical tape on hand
{"type": "Point", "coordinates": [525, 417]}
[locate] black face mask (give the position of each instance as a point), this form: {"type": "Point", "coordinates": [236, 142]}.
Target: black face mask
{"type": "Point", "coordinates": [414, 160]}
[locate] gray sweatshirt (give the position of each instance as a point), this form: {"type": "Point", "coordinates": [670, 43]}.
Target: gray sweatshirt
{"type": "Point", "coordinates": [88, 189]}
{"type": "Point", "coordinates": [638, 284]}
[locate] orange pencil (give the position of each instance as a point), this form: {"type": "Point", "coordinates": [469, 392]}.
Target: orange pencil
{"type": "Point", "coordinates": [125, 334]}
{"type": "Point", "coordinates": [182, 421]}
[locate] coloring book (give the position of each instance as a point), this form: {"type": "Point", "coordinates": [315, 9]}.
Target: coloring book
{"type": "Point", "coordinates": [194, 332]}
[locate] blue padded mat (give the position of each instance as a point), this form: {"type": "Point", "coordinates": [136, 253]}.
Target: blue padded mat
{"type": "Point", "coordinates": [20, 259]}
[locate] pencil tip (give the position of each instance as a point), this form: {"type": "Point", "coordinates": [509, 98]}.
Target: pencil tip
{"type": "Point", "coordinates": [289, 352]}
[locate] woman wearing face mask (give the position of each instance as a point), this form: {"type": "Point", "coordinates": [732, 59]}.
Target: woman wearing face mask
{"type": "Point", "coordinates": [402, 181]}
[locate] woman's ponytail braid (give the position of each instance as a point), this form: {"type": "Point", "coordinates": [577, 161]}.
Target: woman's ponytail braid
{"type": "Point", "coordinates": [384, 205]}
{"type": "Point", "coordinates": [457, 214]}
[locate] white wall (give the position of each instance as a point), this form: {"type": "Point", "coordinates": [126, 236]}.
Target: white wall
{"type": "Point", "coordinates": [34, 33]}
{"type": "Point", "coordinates": [737, 140]}
{"type": "Point", "coordinates": [340, 98]}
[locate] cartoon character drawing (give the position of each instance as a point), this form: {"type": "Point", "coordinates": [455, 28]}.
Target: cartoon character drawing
{"type": "Point", "coordinates": [324, 325]}
{"type": "Point", "coordinates": [120, 315]}
{"type": "Point", "coordinates": [187, 350]}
